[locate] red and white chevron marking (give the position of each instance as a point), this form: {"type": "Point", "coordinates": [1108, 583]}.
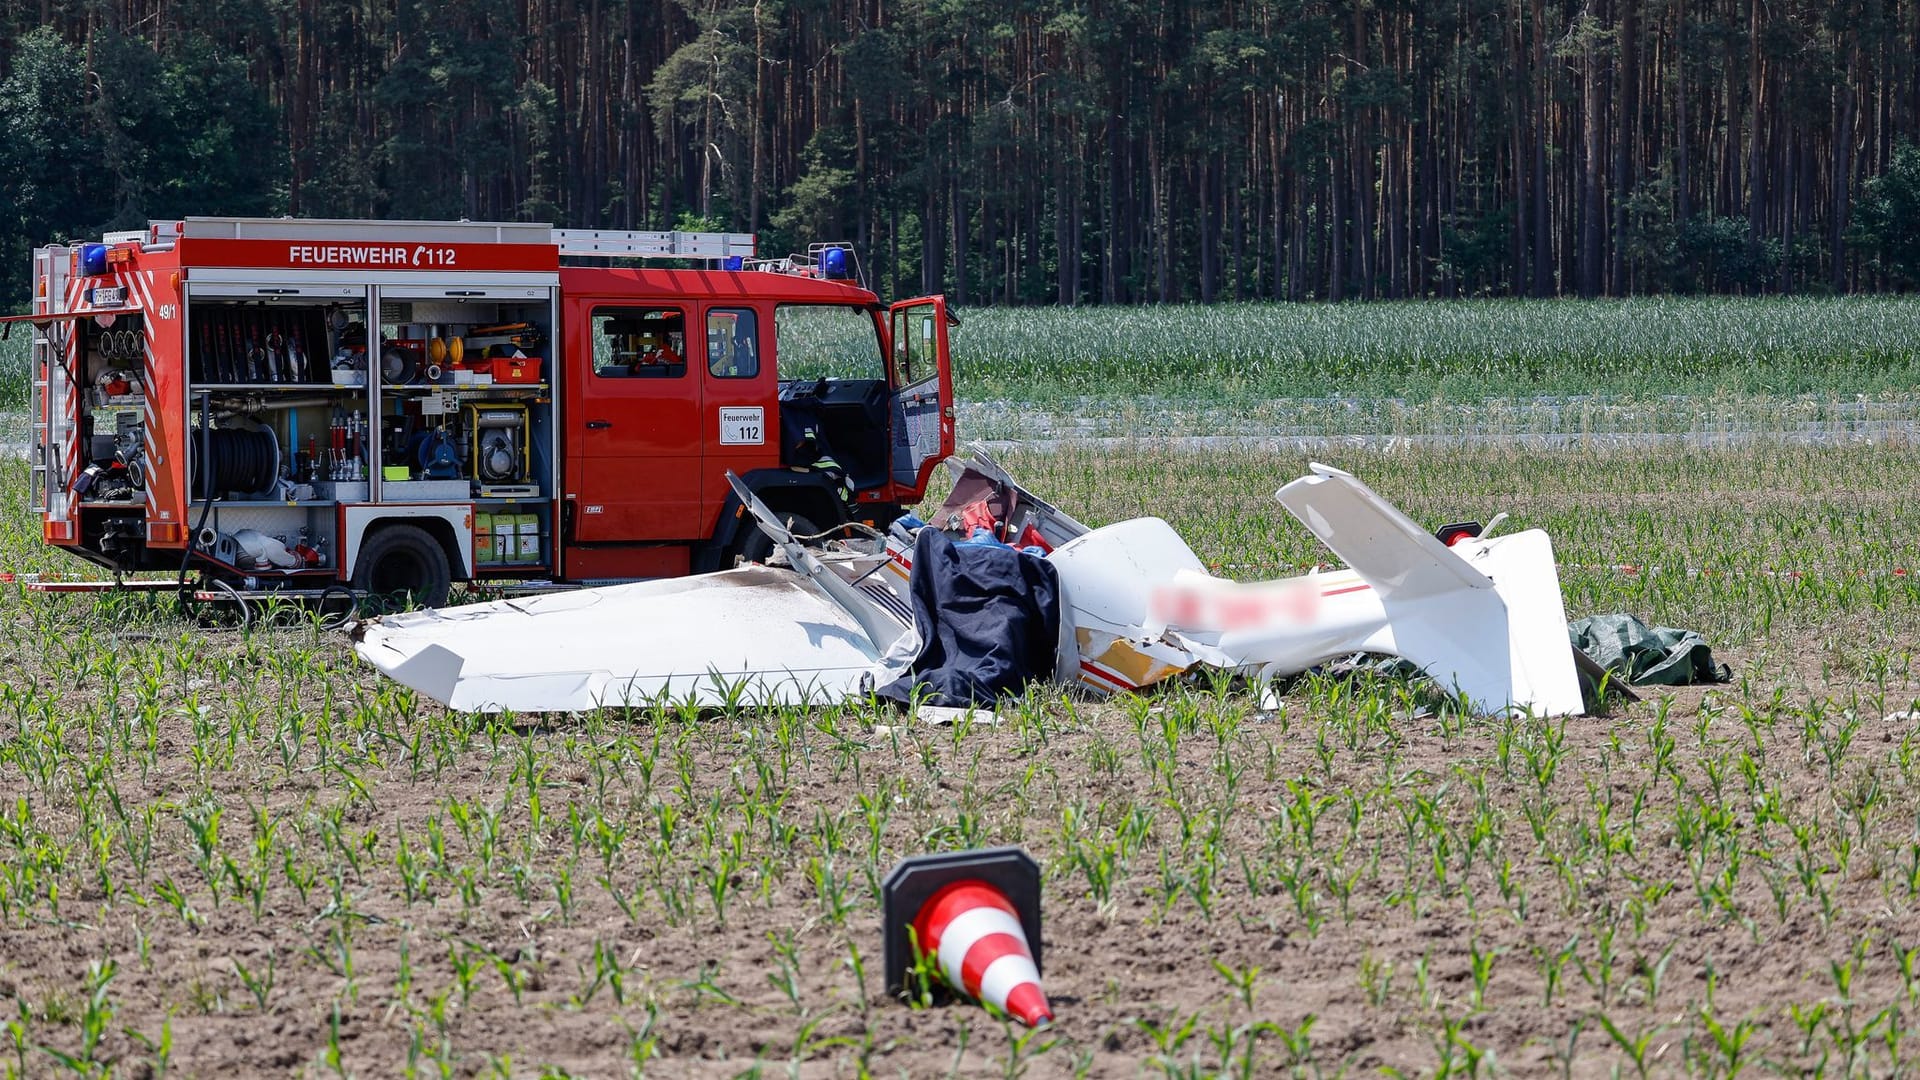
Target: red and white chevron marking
{"type": "Point", "coordinates": [140, 288]}
{"type": "Point", "coordinates": [139, 285]}
{"type": "Point", "coordinates": [76, 289]}
{"type": "Point", "coordinates": [975, 935]}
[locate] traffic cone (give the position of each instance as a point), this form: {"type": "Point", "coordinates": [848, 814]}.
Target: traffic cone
{"type": "Point", "coordinates": [976, 914]}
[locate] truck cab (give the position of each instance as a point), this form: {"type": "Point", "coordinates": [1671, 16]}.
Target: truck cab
{"type": "Point", "coordinates": [832, 407]}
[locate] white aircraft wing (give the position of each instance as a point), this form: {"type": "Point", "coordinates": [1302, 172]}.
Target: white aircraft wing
{"type": "Point", "coordinates": [756, 635]}
{"type": "Point", "coordinates": [1485, 617]}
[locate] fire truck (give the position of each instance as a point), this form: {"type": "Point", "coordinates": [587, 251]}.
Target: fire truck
{"type": "Point", "coordinates": [300, 407]}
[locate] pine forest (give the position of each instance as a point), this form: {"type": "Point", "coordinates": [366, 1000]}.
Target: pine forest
{"type": "Point", "coordinates": [1019, 151]}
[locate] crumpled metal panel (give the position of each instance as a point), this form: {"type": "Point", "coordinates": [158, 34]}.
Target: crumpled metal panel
{"type": "Point", "coordinates": [756, 636]}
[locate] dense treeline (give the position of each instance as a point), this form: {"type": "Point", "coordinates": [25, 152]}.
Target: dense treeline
{"type": "Point", "coordinates": [1031, 151]}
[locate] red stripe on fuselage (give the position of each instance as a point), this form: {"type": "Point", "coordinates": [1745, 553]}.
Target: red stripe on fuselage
{"type": "Point", "coordinates": [1088, 667]}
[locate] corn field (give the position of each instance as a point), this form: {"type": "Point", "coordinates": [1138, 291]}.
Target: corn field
{"type": "Point", "coordinates": [244, 852]}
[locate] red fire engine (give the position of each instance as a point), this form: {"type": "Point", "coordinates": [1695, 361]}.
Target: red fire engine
{"type": "Point", "coordinates": [292, 405]}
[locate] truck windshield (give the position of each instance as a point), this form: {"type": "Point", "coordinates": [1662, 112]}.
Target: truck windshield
{"type": "Point", "coordinates": [824, 341]}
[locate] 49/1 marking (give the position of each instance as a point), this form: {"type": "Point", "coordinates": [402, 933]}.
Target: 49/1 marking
{"type": "Point", "coordinates": [742, 425]}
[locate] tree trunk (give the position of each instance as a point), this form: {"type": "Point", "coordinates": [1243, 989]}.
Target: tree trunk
{"type": "Point", "coordinates": [1590, 209]}
{"type": "Point", "coordinates": [1627, 97]}
{"type": "Point", "coordinates": [1683, 133]}
{"type": "Point", "coordinates": [1543, 266]}
{"type": "Point", "coordinates": [1754, 118]}
{"type": "Point", "coordinates": [1841, 179]}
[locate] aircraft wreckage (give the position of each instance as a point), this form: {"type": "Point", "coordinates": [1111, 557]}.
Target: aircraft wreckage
{"type": "Point", "coordinates": [1481, 615]}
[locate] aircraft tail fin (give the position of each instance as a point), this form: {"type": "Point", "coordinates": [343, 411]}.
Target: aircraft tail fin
{"type": "Point", "coordinates": [1484, 616]}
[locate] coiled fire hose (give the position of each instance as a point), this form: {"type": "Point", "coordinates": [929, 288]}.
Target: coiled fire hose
{"type": "Point", "coordinates": [238, 461]}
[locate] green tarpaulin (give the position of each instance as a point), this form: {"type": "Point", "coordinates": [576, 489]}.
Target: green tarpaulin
{"type": "Point", "coordinates": [1646, 655]}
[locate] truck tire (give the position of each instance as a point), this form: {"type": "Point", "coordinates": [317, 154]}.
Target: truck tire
{"type": "Point", "coordinates": [406, 563]}
{"type": "Point", "coordinates": [754, 545]}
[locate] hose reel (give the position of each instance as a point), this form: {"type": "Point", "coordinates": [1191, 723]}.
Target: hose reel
{"type": "Point", "coordinates": [238, 460]}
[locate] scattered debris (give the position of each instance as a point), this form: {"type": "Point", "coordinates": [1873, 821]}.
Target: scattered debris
{"type": "Point", "coordinates": [948, 715]}
{"type": "Point", "coordinates": [1481, 615]}
{"type": "Point", "coordinates": [1645, 655]}
{"type": "Point", "coordinates": [757, 635]}
{"type": "Point", "coordinates": [944, 716]}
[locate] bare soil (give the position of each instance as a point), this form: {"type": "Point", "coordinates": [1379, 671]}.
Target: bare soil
{"type": "Point", "coordinates": [411, 913]}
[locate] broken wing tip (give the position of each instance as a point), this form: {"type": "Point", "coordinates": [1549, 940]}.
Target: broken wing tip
{"type": "Point", "coordinates": [1316, 475]}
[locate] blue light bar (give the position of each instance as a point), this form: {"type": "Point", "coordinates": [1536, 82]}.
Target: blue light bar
{"type": "Point", "coordinates": [93, 259]}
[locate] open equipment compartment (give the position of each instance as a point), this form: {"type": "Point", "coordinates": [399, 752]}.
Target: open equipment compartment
{"type": "Point", "coordinates": [464, 398]}
{"type": "Point", "coordinates": [278, 435]}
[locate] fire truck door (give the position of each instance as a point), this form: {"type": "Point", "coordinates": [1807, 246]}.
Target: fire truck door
{"type": "Point", "coordinates": [920, 375]}
{"type": "Point", "coordinates": [633, 422]}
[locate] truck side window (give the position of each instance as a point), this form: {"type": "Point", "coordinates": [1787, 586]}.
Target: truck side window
{"type": "Point", "coordinates": [913, 346]}
{"type": "Point", "coordinates": [639, 343]}
{"type": "Point", "coordinates": [733, 343]}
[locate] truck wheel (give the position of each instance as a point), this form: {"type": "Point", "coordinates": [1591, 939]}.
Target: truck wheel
{"type": "Point", "coordinates": [404, 562]}
{"type": "Point", "coordinates": [754, 545]}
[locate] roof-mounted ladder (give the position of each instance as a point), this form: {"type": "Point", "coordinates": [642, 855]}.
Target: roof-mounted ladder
{"type": "Point", "coordinates": [592, 243]}
{"type": "Point", "coordinates": [622, 244]}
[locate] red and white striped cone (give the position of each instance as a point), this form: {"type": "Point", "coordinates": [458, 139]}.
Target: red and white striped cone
{"type": "Point", "coordinates": [976, 914]}
{"type": "Point", "coordinates": [974, 933]}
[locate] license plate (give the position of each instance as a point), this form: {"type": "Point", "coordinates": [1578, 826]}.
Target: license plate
{"type": "Point", "coordinates": [107, 296]}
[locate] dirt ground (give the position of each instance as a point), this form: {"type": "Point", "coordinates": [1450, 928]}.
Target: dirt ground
{"type": "Point", "coordinates": [248, 856]}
